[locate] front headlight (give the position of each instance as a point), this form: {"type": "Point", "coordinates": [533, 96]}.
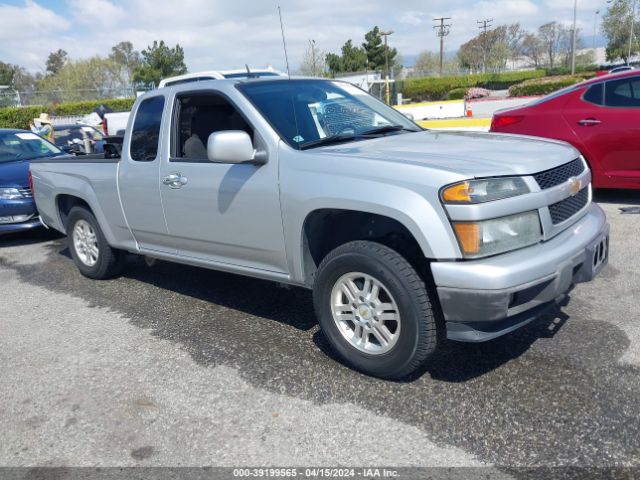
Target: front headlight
{"type": "Point", "coordinates": [483, 190]}
{"type": "Point", "coordinates": [498, 235]}
{"type": "Point", "coordinates": [10, 194]}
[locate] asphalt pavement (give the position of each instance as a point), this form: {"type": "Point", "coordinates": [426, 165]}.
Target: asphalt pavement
{"type": "Point", "coordinates": [177, 366]}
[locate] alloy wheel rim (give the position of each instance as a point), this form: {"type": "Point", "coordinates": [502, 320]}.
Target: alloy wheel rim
{"type": "Point", "coordinates": [85, 243]}
{"type": "Point", "coordinates": [365, 313]}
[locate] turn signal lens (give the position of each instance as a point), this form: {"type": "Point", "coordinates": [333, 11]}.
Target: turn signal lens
{"type": "Point", "coordinates": [457, 193]}
{"type": "Point", "coordinates": [484, 190]}
{"type": "Point", "coordinates": [469, 237]}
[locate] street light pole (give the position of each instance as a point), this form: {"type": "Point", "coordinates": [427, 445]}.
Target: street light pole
{"type": "Point", "coordinates": [573, 39]}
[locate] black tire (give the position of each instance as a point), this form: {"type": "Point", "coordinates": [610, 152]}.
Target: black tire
{"type": "Point", "coordinates": [110, 262]}
{"type": "Point", "coordinates": [417, 339]}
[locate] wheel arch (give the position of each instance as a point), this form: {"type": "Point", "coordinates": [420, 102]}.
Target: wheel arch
{"type": "Point", "coordinates": [325, 229]}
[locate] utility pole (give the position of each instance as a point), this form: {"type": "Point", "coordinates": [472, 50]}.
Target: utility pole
{"type": "Point", "coordinates": [484, 25]}
{"type": "Point", "coordinates": [442, 31]}
{"type": "Point", "coordinates": [386, 63]}
{"type": "Point", "coordinates": [574, 34]}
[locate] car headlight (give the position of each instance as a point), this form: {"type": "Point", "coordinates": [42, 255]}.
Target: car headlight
{"type": "Point", "coordinates": [10, 194]}
{"type": "Point", "coordinates": [498, 235]}
{"type": "Point", "coordinates": [483, 190]}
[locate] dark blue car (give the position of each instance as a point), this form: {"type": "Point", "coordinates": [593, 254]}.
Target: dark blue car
{"type": "Point", "coordinates": [17, 148]}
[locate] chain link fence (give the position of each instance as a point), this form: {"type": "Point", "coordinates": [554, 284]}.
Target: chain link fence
{"type": "Point", "coordinates": [13, 98]}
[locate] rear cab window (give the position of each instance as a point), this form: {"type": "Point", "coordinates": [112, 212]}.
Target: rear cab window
{"type": "Point", "coordinates": [145, 133]}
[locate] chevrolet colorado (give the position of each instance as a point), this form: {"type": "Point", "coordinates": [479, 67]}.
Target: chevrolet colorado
{"type": "Point", "coordinates": [405, 236]}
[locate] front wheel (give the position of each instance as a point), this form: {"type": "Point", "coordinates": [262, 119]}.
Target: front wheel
{"type": "Point", "coordinates": [89, 249]}
{"type": "Point", "coordinates": [375, 309]}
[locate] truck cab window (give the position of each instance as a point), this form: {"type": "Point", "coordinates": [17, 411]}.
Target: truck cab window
{"type": "Point", "coordinates": [146, 130]}
{"type": "Point", "coordinates": [199, 116]}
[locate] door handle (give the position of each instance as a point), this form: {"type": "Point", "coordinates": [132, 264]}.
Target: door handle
{"type": "Point", "coordinates": [589, 122]}
{"type": "Point", "coordinates": [175, 180]}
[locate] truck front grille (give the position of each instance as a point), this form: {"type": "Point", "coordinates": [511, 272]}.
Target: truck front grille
{"type": "Point", "coordinates": [559, 175]}
{"type": "Point", "coordinates": [567, 208]}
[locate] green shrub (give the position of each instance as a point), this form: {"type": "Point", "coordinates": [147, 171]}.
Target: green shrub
{"type": "Point", "coordinates": [543, 86]}
{"type": "Point", "coordinates": [438, 88]}
{"type": "Point", "coordinates": [86, 107]}
{"type": "Point", "coordinates": [588, 69]}
{"type": "Point", "coordinates": [19, 117]}
{"type": "Point", "coordinates": [458, 93]}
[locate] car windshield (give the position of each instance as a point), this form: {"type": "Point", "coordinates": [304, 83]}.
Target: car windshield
{"type": "Point", "coordinates": [25, 146]}
{"type": "Point", "coordinates": [312, 113]}
{"type": "Point", "coordinates": [65, 135]}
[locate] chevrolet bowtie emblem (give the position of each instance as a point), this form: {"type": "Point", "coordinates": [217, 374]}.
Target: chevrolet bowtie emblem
{"type": "Point", "coordinates": [575, 185]}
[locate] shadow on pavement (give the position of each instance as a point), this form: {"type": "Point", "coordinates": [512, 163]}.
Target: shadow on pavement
{"type": "Point", "coordinates": [625, 197]}
{"type": "Point", "coordinates": [29, 237]}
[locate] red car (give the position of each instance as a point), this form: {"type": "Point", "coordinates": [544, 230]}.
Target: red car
{"type": "Point", "coordinates": [600, 117]}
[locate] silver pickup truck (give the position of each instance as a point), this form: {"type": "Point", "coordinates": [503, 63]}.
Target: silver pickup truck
{"type": "Point", "coordinates": [405, 236]}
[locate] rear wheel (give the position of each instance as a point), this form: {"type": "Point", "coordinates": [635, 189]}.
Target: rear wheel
{"type": "Point", "coordinates": [89, 249]}
{"type": "Point", "coordinates": [375, 309]}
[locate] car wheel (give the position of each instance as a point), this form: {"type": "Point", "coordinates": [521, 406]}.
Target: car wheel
{"type": "Point", "coordinates": [375, 310]}
{"type": "Point", "coordinates": [89, 248]}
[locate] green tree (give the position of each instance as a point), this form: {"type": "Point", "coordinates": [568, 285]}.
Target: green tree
{"type": "Point", "coordinates": [6, 74]}
{"type": "Point", "coordinates": [56, 61]}
{"type": "Point", "coordinates": [375, 50]}
{"type": "Point", "coordinates": [86, 79]}
{"type": "Point", "coordinates": [125, 60]}
{"type": "Point", "coordinates": [353, 59]}
{"type": "Point", "coordinates": [160, 61]}
{"type": "Point", "coordinates": [616, 24]}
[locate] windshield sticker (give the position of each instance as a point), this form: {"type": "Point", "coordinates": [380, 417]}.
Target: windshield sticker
{"type": "Point", "coordinates": [298, 139]}
{"type": "Point", "coordinates": [28, 136]}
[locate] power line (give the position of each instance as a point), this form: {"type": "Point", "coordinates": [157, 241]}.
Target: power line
{"type": "Point", "coordinates": [442, 30]}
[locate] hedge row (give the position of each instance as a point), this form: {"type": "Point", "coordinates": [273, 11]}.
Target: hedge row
{"type": "Point", "coordinates": [438, 88]}
{"type": "Point", "coordinates": [588, 69]}
{"type": "Point", "coordinates": [19, 117]}
{"type": "Point", "coordinates": [544, 86]}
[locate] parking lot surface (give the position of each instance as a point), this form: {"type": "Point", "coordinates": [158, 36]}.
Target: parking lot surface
{"type": "Point", "coordinates": [173, 365]}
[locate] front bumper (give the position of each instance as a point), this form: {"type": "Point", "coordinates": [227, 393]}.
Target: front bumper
{"type": "Point", "coordinates": [21, 227]}
{"type": "Point", "coordinates": [16, 208]}
{"type": "Point", "coordinates": [519, 286]}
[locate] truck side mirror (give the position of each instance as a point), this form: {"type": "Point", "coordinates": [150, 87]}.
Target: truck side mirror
{"type": "Point", "coordinates": [232, 146]}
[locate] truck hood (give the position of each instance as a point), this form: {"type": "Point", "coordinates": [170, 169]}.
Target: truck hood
{"type": "Point", "coordinates": [471, 154]}
{"type": "Point", "coordinates": [14, 174]}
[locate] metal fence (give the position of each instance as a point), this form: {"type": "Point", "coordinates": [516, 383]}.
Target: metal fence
{"type": "Point", "coordinates": [12, 98]}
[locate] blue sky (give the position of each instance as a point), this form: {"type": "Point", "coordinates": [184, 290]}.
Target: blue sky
{"type": "Point", "coordinates": [219, 34]}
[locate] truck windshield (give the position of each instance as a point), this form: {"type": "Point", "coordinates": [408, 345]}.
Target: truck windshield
{"type": "Point", "coordinates": [25, 146]}
{"type": "Point", "coordinates": [313, 113]}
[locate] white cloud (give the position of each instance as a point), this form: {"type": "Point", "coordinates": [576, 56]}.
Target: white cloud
{"type": "Point", "coordinates": [97, 13]}
{"type": "Point", "coordinates": [29, 33]}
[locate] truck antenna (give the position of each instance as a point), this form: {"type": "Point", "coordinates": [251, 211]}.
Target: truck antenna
{"type": "Point", "coordinates": [284, 43]}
